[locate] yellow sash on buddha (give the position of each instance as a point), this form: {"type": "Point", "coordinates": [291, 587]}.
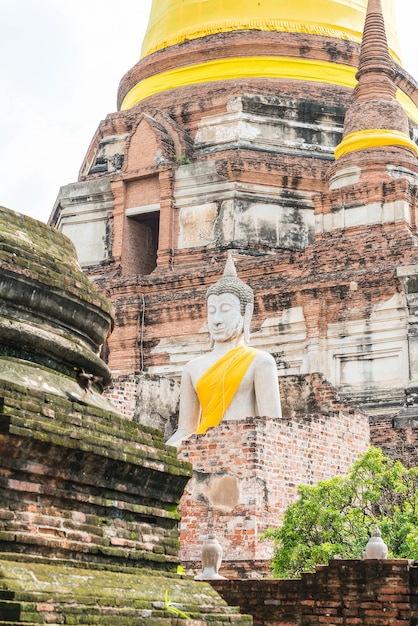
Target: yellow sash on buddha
{"type": "Point", "coordinates": [216, 388]}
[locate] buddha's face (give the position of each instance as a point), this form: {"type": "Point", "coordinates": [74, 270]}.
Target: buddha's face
{"type": "Point", "coordinates": [225, 320]}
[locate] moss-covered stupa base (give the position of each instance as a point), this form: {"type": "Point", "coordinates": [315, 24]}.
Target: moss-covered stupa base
{"type": "Point", "coordinates": [79, 482]}
{"type": "Point", "coordinates": [39, 591]}
{"type": "Point", "coordinates": [88, 500]}
{"type": "Point", "coordinates": [88, 512]}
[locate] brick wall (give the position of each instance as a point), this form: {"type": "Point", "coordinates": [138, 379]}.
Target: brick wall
{"type": "Point", "coordinates": [344, 593]}
{"type": "Point", "coordinates": [318, 281]}
{"type": "Point", "coordinates": [246, 473]}
{"type": "Point", "coordinates": [149, 400]}
{"type": "Point", "coordinates": [396, 439]}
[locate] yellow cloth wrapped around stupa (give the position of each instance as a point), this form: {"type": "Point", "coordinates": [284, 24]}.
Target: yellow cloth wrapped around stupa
{"type": "Point", "coordinates": [174, 21]}
{"type": "Point", "coordinates": [219, 384]}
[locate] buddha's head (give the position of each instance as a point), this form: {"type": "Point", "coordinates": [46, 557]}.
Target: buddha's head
{"type": "Point", "coordinates": [230, 305]}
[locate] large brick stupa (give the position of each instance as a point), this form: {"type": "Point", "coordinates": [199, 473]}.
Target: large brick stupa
{"type": "Point", "coordinates": [273, 132]}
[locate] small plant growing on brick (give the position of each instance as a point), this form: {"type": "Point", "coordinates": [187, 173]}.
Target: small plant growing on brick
{"type": "Point", "coordinates": [181, 159]}
{"type": "Point", "coordinates": [171, 607]}
{"type": "Point", "coordinates": [336, 517]}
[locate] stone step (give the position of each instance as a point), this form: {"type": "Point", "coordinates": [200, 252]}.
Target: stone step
{"type": "Point", "coordinates": [6, 595]}
{"type": "Point", "coordinates": [83, 615]}
{"type": "Point", "coordinates": [32, 613]}
{"type": "Point", "coordinates": [20, 623]}
{"type": "Point", "coordinates": [10, 610]}
{"type": "Point", "coordinates": [41, 591]}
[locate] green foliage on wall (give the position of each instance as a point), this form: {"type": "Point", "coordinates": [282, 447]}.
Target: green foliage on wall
{"type": "Point", "coordinates": [335, 518]}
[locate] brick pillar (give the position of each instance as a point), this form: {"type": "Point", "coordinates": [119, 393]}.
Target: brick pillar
{"type": "Point", "coordinates": [118, 189]}
{"type": "Point", "coordinates": [166, 243]}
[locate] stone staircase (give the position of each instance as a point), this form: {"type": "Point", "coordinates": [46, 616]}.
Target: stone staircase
{"type": "Point", "coordinates": [47, 592]}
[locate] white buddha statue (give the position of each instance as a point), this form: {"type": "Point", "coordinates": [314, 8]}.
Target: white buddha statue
{"type": "Point", "coordinates": [233, 380]}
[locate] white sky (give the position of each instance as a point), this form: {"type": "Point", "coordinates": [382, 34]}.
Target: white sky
{"type": "Point", "coordinates": [61, 63]}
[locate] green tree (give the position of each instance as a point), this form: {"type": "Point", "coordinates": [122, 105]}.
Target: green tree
{"type": "Point", "coordinates": [337, 516]}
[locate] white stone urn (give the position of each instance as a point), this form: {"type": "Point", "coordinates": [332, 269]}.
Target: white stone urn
{"type": "Point", "coordinates": [211, 559]}
{"type": "Point", "coordinates": [376, 547]}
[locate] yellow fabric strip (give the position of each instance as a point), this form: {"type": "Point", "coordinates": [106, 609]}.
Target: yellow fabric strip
{"type": "Point", "coordinates": [175, 21]}
{"type": "Point", "coordinates": [243, 67]}
{"type": "Point", "coordinates": [252, 67]}
{"type": "Point", "coordinates": [216, 388]}
{"type": "Point", "coordinates": [373, 138]}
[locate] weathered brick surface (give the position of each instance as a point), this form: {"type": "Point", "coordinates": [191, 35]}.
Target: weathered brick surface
{"type": "Point", "coordinates": [266, 459]}
{"type": "Point", "coordinates": [173, 303]}
{"type": "Point", "coordinates": [51, 314]}
{"type": "Point", "coordinates": [240, 44]}
{"type": "Point", "coordinates": [79, 482]}
{"type": "Point", "coordinates": [400, 443]}
{"type": "Point", "coordinates": [378, 593]}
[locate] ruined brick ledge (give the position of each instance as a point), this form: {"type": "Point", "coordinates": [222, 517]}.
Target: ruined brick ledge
{"type": "Point", "coordinates": [362, 592]}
